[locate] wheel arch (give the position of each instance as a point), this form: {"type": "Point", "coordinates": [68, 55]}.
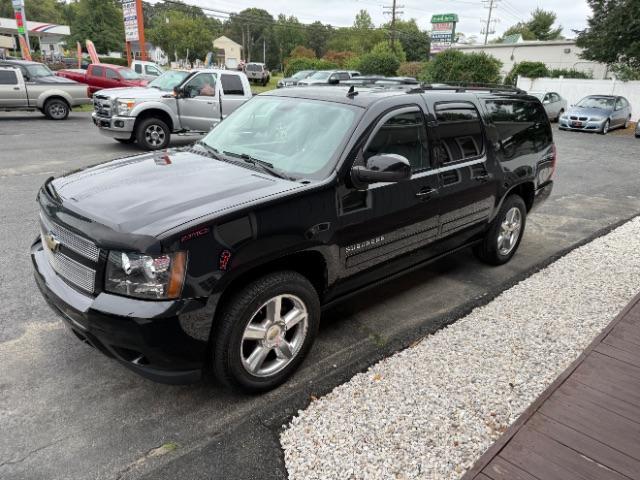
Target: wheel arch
{"type": "Point", "coordinates": [154, 113]}
{"type": "Point", "coordinates": [55, 97]}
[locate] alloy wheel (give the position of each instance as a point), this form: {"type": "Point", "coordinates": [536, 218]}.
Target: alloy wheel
{"type": "Point", "coordinates": [57, 111]}
{"type": "Point", "coordinates": [154, 135]}
{"type": "Point", "coordinates": [509, 231]}
{"type": "Point", "coordinates": [274, 335]}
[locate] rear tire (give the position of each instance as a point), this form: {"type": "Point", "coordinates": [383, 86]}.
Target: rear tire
{"type": "Point", "coordinates": [256, 349]}
{"type": "Point", "coordinates": [502, 240]}
{"type": "Point", "coordinates": [56, 109]}
{"type": "Point", "coordinates": [153, 134]}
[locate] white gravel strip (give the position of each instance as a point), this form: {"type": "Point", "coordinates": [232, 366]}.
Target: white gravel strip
{"type": "Point", "coordinates": [430, 411]}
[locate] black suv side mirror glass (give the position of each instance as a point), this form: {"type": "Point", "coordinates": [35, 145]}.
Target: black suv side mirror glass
{"type": "Point", "coordinates": [385, 167]}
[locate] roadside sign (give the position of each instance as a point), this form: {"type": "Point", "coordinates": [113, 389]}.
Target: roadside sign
{"type": "Point", "coordinates": [445, 18]}
{"type": "Point", "coordinates": [443, 31]}
{"type": "Point", "coordinates": [130, 16]}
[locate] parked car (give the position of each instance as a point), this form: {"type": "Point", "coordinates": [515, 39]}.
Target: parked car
{"type": "Point", "coordinates": [257, 73]}
{"type": "Point", "coordinates": [176, 102]}
{"type": "Point", "coordinates": [102, 75]}
{"type": "Point", "coordinates": [72, 62]}
{"type": "Point", "coordinates": [326, 77]}
{"type": "Point", "coordinates": [294, 79]}
{"type": "Point", "coordinates": [221, 256]}
{"type": "Point", "coordinates": [147, 70]}
{"type": "Point", "coordinates": [53, 98]}
{"type": "Point", "coordinates": [597, 113]}
{"type": "Point", "coordinates": [354, 73]}
{"type": "Point", "coordinates": [380, 81]}
{"type": "Point", "coordinates": [553, 103]}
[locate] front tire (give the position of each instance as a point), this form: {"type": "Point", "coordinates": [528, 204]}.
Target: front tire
{"type": "Point", "coordinates": [605, 127]}
{"type": "Point", "coordinates": [153, 134]}
{"type": "Point", "coordinates": [502, 240]}
{"type": "Point", "coordinates": [56, 109]}
{"type": "Point", "coordinates": [264, 332]}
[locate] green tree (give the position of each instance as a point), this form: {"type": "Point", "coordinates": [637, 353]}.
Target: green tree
{"type": "Point", "coordinates": [363, 21]}
{"type": "Point", "coordinates": [288, 32]}
{"type": "Point", "coordinates": [613, 34]}
{"type": "Point", "coordinates": [48, 11]}
{"type": "Point", "coordinates": [539, 27]}
{"type": "Point", "coordinates": [180, 33]}
{"type": "Point", "coordinates": [99, 21]}
{"type": "Point", "coordinates": [379, 63]}
{"type": "Point", "coordinates": [453, 66]}
{"type": "Point", "coordinates": [252, 28]}
{"type": "Point", "coordinates": [415, 42]}
{"type": "Point", "coordinates": [526, 69]}
{"type": "Point", "coordinates": [396, 50]}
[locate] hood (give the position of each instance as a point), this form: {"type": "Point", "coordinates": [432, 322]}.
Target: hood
{"type": "Point", "coordinates": [152, 193]}
{"type": "Point", "coordinates": [589, 112]}
{"type": "Point", "coordinates": [142, 93]}
{"type": "Point", "coordinates": [141, 82]}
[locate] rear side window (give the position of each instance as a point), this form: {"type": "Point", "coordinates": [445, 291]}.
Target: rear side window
{"type": "Point", "coordinates": [138, 68]}
{"type": "Point", "coordinates": [8, 77]}
{"type": "Point", "coordinates": [232, 85]}
{"type": "Point", "coordinates": [97, 71]}
{"type": "Point", "coordinates": [460, 131]}
{"type": "Point", "coordinates": [403, 134]}
{"type": "Point", "coordinates": [523, 126]}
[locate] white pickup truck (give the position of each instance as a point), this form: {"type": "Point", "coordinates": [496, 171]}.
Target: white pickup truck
{"type": "Point", "coordinates": [31, 86]}
{"type": "Point", "coordinates": [177, 102]}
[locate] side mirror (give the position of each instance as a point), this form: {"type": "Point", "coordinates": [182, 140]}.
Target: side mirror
{"type": "Point", "coordinates": [386, 168]}
{"type": "Point", "coordinates": [177, 92]}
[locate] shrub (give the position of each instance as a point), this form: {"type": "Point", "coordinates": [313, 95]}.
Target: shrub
{"type": "Point", "coordinates": [569, 73]}
{"type": "Point", "coordinates": [454, 66]}
{"type": "Point", "coordinates": [339, 58]}
{"type": "Point", "coordinates": [411, 69]}
{"type": "Point", "coordinates": [294, 65]}
{"type": "Point", "coordinates": [114, 61]}
{"type": "Point", "coordinates": [302, 52]}
{"type": "Point", "coordinates": [385, 64]}
{"type": "Point", "coordinates": [526, 69]}
{"type": "Point", "coordinates": [397, 50]}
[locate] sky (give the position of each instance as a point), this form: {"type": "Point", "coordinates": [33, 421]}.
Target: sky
{"type": "Point", "coordinates": [571, 14]}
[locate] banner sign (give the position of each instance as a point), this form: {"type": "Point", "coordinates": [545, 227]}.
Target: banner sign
{"type": "Point", "coordinates": [91, 48]}
{"type": "Point", "coordinates": [24, 48]}
{"type": "Point", "coordinates": [130, 15]}
{"type": "Point", "coordinates": [21, 22]}
{"type": "Point", "coordinates": [443, 31]}
{"type": "Point", "coordinates": [79, 53]}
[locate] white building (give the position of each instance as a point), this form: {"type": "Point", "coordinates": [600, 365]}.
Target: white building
{"type": "Point", "coordinates": [51, 36]}
{"type": "Point", "coordinates": [228, 52]}
{"type": "Point", "coordinates": [555, 54]}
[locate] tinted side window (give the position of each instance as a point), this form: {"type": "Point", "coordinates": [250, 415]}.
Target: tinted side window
{"type": "Point", "coordinates": [8, 77]}
{"type": "Point", "coordinates": [460, 131]}
{"type": "Point", "coordinates": [97, 71]}
{"type": "Point", "coordinates": [404, 134]}
{"type": "Point", "coordinates": [522, 126]}
{"type": "Point", "coordinates": [112, 75]}
{"type": "Point", "coordinates": [232, 85]}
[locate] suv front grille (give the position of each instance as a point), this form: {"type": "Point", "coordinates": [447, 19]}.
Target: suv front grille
{"type": "Point", "coordinates": [70, 270]}
{"type": "Point", "coordinates": [102, 106]}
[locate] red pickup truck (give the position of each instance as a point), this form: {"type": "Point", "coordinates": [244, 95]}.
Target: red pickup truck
{"type": "Point", "coordinates": [102, 75]}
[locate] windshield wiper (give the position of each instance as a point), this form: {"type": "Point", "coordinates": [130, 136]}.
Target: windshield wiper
{"type": "Point", "coordinates": [266, 166]}
{"type": "Point", "coordinates": [214, 152]}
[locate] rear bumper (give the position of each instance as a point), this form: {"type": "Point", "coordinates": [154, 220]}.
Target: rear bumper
{"type": "Point", "coordinates": [115, 127]}
{"type": "Point", "coordinates": [163, 341]}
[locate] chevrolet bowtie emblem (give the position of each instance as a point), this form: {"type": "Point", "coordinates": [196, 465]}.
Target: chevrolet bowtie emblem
{"type": "Point", "coordinates": [52, 242]}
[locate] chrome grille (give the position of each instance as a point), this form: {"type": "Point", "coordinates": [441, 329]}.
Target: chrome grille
{"type": "Point", "coordinates": [70, 270]}
{"type": "Point", "coordinates": [102, 106]}
{"type": "Point", "coordinates": [74, 242]}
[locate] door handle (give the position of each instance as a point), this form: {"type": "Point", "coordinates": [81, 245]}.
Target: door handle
{"type": "Point", "coordinates": [16, 88]}
{"type": "Point", "coordinates": [483, 178]}
{"type": "Point", "coordinates": [425, 193]}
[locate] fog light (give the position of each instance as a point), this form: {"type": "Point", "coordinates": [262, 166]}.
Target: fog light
{"type": "Point", "coordinates": [119, 123]}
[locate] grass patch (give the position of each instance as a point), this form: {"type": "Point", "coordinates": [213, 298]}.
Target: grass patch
{"type": "Point", "coordinates": [256, 88]}
{"type": "Point", "coordinates": [83, 108]}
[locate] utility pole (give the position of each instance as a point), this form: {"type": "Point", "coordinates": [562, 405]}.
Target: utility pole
{"type": "Point", "coordinates": [487, 27]}
{"type": "Point", "coordinates": [394, 11]}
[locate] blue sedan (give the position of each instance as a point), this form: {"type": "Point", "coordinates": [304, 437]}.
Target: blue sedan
{"type": "Point", "coordinates": [597, 113]}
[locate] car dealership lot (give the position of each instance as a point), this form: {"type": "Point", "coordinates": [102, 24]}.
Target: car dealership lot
{"type": "Point", "coordinates": [66, 411]}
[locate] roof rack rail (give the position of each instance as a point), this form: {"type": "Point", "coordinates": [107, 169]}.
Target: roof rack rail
{"type": "Point", "coordinates": [460, 87]}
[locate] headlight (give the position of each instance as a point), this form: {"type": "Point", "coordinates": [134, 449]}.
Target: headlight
{"type": "Point", "coordinates": [596, 119]}
{"type": "Point", "coordinates": [157, 277]}
{"type": "Point", "coordinates": [125, 106]}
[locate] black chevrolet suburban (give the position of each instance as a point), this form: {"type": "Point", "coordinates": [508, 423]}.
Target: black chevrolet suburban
{"type": "Point", "coordinates": [219, 257]}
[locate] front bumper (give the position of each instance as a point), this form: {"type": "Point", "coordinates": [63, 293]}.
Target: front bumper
{"type": "Point", "coordinates": [114, 127]}
{"type": "Point", "coordinates": [583, 126]}
{"type": "Point", "coordinates": [165, 341]}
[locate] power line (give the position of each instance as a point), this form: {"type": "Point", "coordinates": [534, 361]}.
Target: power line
{"type": "Point", "coordinates": [394, 11]}
{"type": "Point", "coordinates": [490, 4]}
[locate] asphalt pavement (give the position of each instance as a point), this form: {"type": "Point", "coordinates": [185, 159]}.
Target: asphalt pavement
{"type": "Point", "coordinates": [67, 412]}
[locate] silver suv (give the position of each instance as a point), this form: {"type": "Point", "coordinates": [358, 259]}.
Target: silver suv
{"type": "Point", "coordinates": [176, 102]}
{"type": "Point", "coordinates": [326, 77]}
{"type": "Point", "coordinates": [257, 73]}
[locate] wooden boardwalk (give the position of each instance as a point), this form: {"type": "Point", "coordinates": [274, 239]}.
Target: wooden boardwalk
{"type": "Point", "coordinates": [586, 425]}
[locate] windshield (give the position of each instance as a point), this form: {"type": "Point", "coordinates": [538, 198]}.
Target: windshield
{"type": "Point", "coordinates": [320, 75]}
{"type": "Point", "coordinates": [298, 137]}
{"type": "Point", "coordinates": [128, 74]}
{"type": "Point", "coordinates": [37, 71]}
{"type": "Point", "coordinates": [169, 80]}
{"type": "Point", "coordinates": [302, 74]}
{"type": "Point", "coordinates": [603, 103]}
{"type": "Point", "coordinates": [254, 67]}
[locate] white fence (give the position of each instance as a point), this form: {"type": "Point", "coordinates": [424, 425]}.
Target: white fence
{"type": "Point", "coordinates": [573, 89]}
